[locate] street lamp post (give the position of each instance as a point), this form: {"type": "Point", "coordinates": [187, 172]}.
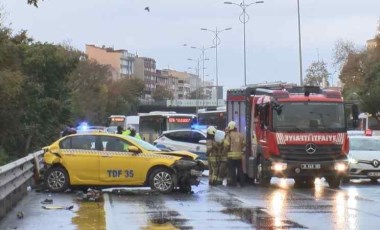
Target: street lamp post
{"type": "Point", "coordinates": [196, 84]}
{"type": "Point", "coordinates": [216, 42]}
{"type": "Point", "coordinates": [299, 41]}
{"type": "Point", "coordinates": [244, 18]}
{"type": "Point", "coordinates": [203, 49]}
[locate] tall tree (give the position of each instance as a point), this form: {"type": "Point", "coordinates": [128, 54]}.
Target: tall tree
{"type": "Point", "coordinates": [46, 99]}
{"type": "Point", "coordinates": [317, 74]}
{"type": "Point", "coordinates": [162, 93]}
{"type": "Point", "coordinates": [124, 96]}
{"type": "Point", "coordinates": [89, 84]}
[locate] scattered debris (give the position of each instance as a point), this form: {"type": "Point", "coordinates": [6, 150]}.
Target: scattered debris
{"type": "Point", "coordinates": [47, 201]}
{"type": "Point", "coordinates": [58, 207]}
{"type": "Point", "coordinates": [91, 195]}
{"type": "Point", "coordinates": [20, 214]}
{"type": "Point", "coordinates": [147, 8]}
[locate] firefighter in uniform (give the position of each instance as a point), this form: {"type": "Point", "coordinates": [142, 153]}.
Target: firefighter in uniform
{"type": "Point", "coordinates": [234, 145]}
{"type": "Point", "coordinates": [212, 153]}
{"type": "Point", "coordinates": [222, 162]}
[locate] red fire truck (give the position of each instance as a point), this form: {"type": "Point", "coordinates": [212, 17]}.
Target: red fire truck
{"type": "Point", "coordinates": [291, 132]}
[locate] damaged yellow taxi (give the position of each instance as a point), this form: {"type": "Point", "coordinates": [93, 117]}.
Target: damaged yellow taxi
{"type": "Point", "coordinates": [110, 160]}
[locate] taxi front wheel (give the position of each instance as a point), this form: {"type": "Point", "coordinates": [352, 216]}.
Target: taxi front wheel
{"type": "Point", "coordinates": [161, 180]}
{"type": "Point", "coordinates": [56, 179]}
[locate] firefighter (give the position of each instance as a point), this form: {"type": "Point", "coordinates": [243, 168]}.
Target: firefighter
{"type": "Point", "coordinates": [212, 154]}
{"type": "Point", "coordinates": [222, 162]}
{"type": "Point", "coordinates": [234, 145]}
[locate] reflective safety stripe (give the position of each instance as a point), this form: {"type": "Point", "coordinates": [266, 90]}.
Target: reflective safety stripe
{"type": "Point", "coordinates": [234, 155]}
{"type": "Point", "coordinates": [73, 152]}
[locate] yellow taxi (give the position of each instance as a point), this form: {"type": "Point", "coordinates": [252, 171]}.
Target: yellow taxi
{"type": "Point", "coordinates": [112, 160]}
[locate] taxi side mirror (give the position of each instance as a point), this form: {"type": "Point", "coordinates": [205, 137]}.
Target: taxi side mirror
{"type": "Point", "coordinates": [133, 149]}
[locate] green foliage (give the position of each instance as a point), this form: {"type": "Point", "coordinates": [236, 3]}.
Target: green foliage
{"type": "Point", "coordinates": [3, 157]}
{"type": "Point", "coordinates": [89, 91]}
{"type": "Point", "coordinates": [44, 87]}
{"type": "Point", "coordinates": [317, 74]}
{"type": "Point", "coordinates": [360, 75]}
{"type": "Point", "coordinates": [162, 93]}
{"type": "Point", "coordinates": [124, 94]}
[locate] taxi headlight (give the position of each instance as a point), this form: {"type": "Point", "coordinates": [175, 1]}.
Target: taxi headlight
{"type": "Point", "coordinates": [185, 164]}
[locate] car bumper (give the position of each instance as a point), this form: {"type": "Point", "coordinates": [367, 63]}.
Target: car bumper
{"type": "Point", "coordinates": [363, 171]}
{"type": "Point", "coordinates": [293, 169]}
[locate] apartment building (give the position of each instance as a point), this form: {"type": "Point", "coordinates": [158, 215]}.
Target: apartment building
{"type": "Point", "coordinates": [119, 61]}
{"type": "Point", "coordinates": [124, 64]}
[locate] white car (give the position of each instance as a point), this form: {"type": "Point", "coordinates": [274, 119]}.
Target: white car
{"type": "Point", "coordinates": [192, 140]}
{"type": "Point", "coordinates": [364, 157]}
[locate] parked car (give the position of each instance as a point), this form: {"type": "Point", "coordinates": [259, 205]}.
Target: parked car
{"type": "Point", "coordinates": [192, 140]}
{"type": "Point", "coordinates": [364, 158]}
{"type": "Point", "coordinates": [112, 160]}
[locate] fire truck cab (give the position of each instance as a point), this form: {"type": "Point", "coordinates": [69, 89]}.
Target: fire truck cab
{"type": "Point", "coordinates": [291, 132]}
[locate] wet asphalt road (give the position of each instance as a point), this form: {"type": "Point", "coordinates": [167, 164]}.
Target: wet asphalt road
{"type": "Point", "coordinates": [281, 206]}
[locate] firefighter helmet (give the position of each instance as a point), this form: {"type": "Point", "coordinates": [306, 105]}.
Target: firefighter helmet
{"type": "Point", "coordinates": [231, 125]}
{"type": "Point", "coordinates": [211, 130]}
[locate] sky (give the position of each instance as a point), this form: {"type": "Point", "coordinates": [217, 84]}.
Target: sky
{"type": "Point", "coordinates": [272, 52]}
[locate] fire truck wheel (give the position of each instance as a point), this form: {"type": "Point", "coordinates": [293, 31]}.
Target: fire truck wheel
{"type": "Point", "coordinates": [334, 182]}
{"type": "Point", "coordinates": [262, 179]}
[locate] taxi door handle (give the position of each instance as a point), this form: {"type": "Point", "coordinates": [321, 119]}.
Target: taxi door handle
{"type": "Point", "coordinates": [106, 155]}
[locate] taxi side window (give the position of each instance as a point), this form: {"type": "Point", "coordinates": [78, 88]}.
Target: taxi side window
{"type": "Point", "coordinates": [86, 142]}
{"type": "Point", "coordinates": [116, 144]}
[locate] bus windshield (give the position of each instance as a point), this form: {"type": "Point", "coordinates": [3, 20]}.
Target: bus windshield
{"type": "Point", "coordinates": [152, 126]}
{"type": "Point", "coordinates": [116, 120]}
{"type": "Point", "coordinates": [309, 116]}
{"type": "Point", "coordinates": [214, 118]}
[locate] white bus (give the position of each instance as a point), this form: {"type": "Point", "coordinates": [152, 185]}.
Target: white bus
{"type": "Point", "coordinates": [216, 117]}
{"type": "Point", "coordinates": [123, 121]}
{"type": "Point", "coordinates": [154, 123]}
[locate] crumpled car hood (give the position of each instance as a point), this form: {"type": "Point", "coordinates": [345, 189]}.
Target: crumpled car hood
{"type": "Point", "coordinates": [180, 154]}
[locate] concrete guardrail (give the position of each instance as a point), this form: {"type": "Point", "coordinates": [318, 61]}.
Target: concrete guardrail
{"type": "Point", "coordinates": [15, 178]}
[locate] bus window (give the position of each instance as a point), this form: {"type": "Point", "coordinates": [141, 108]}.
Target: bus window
{"type": "Point", "coordinates": [214, 118]}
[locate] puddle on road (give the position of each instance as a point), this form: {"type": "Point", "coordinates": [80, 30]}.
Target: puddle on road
{"type": "Point", "coordinates": [166, 220]}
{"type": "Point", "coordinates": [90, 215]}
{"type": "Point", "coordinates": [261, 219]}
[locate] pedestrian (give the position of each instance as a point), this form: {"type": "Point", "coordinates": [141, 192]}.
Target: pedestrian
{"type": "Point", "coordinates": [127, 132]}
{"type": "Point", "coordinates": [120, 130]}
{"type": "Point", "coordinates": [131, 131]}
{"type": "Point", "coordinates": [234, 144]}
{"type": "Point", "coordinates": [212, 153]}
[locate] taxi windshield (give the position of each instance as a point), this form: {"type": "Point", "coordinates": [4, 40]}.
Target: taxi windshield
{"type": "Point", "coordinates": [145, 145]}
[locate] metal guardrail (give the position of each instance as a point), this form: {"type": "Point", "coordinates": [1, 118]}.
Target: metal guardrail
{"type": "Point", "coordinates": [15, 178]}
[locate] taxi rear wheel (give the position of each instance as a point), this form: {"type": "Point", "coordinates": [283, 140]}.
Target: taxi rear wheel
{"type": "Point", "coordinates": [57, 179]}
{"type": "Point", "coordinates": [161, 180]}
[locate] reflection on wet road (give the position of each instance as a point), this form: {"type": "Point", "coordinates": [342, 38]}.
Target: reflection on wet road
{"type": "Point", "coordinates": [280, 206]}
